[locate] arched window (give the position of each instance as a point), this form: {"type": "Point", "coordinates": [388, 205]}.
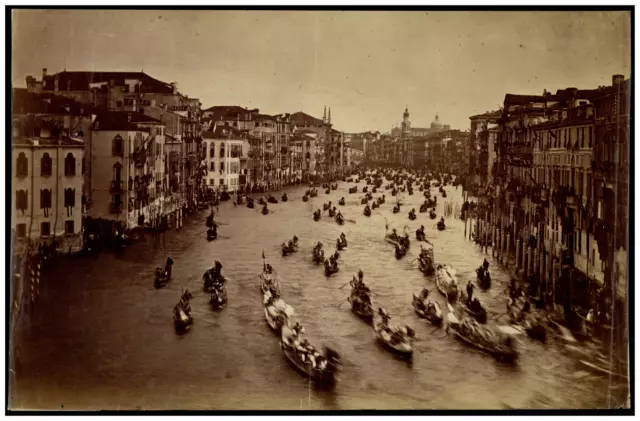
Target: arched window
{"type": "Point", "coordinates": [22, 165]}
{"type": "Point", "coordinates": [22, 200]}
{"type": "Point", "coordinates": [117, 171]}
{"type": "Point", "coordinates": [70, 197]}
{"type": "Point", "coordinates": [70, 165]}
{"type": "Point", "coordinates": [116, 146]}
{"type": "Point", "coordinates": [45, 165]}
{"type": "Point", "coordinates": [212, 150]}
{"type": "Point", "coordinates": [221, 150]}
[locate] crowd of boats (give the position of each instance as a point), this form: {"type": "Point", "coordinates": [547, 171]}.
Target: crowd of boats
{"type": "Point", "coordinates": [466, 317]}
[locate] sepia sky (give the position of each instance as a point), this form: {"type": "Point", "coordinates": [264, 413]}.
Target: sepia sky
{"type": "Point", "coordinates": [366, 65]}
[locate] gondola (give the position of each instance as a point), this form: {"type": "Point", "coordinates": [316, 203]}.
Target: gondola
{"type": "Point", "coordinates": [492, 341]}
{"type": "Point", "coordinates": [182, 319]}
{"type": "Point", "coordinates": [364, 201]}
{"type": "Point", "coordinates": [535, 330]}
{"type": "Point", "coordinates": [396, 339]}
{"type": "Point", "coordinates": [400, 251]}
{"type": "Point", "coordinates": [332, 213]}
{"type": "Point", "coordinates": [396, 209]}
{"type": "Point", "coordinates": [334, 186]}
{"type": "Point", "coordinates": [162, 276]}
{"type": "Point", "coordinates": [289, 249]}
{"type": "Point", "coordinates": [325, 376]}
{"type": "Point", "coordinates": [218, 297]}
{"type": "Point", "coordinates": [425, 263]}
{"type": "Point", "coordinates": [360, 309]}
{"type": "Point", "coordinates": [432, 215]}
{"type": "Point", "coordinates": [339, 219]}
{"type": "Point", "coordinates": [265, 210]}
{"type": "Point", "coordinates": [427, 309]}
{"type": "Point", "coordinates": [305, 198]}
{"type": "Point", "coordinates": [412, 215]}
{"type": "Point", "coordinates": [250, 204]}
{"type": "Point", "coordinates": [317, 256]}
{"type": "Point", "coordinates": [326, 206]}
{"type": "Point", "coordinates": [367, 211]}
{"type": "Point", "coordinates": [284, 197]}
{"type": "Point", "coordinates": [424, 207]}
{"type": "Point", "coordinates": [447, 283]}
{"type": "Point", "coordinates": [440, 225]}
{"type": "Point", "coordinates": [420, 235]}
{"type": "Point", "coordinates": [276, 312]}
{"type": "Point", "coordinates": [212, 234]}
{"type": "Point", "coordinates": [353, 190]}
{"type": "Point", "coordinates": [316, 215]}
{"type": "Point", "coordinates": [483, 277]}
{"type": "Point", "coordinates": [375, 205]}
{"type": "Point", "coordinates": [330, 269]}
{"type": "Point", "coordinates": [479, 313]}
{"type": "Point", "coordinates": [341, 202]}
{"type": "Point", "coordinates": [269, 283]}
{"type": "Point", "coordinates": [341, 243]}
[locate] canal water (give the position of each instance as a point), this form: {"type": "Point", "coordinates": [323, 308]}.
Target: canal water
{"type": "Point", "coordinates": [102, 336]}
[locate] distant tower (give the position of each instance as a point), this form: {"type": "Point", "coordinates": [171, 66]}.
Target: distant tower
{"type": "Point", "coordinates": [324, 116]}
{"type": "Point", "coordinates": [329, 118]}
{"type": "Point", "coordinates": [406, 124]}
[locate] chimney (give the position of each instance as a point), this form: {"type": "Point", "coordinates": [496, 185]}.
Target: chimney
{"type": "Point", "coordinates": [56, 83]}
{"type": "Point", "coordinates": [617, 79]}
{"type": "Point", "coordinates": [44, 72]}
{"type": "Point", "coordinates": [174, 87]}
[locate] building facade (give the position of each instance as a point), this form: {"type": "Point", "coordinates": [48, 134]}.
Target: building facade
{"type": "Point", "coordinates": [224, 149]}
{"type": "Point", "coordinates": [47, 183]}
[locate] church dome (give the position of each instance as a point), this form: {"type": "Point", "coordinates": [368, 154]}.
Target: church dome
{"type": "Point", "coordinates": [436, 123]}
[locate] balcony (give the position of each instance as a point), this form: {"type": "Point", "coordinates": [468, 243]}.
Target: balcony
{"type": "Point", "coordinates": [116, 187]}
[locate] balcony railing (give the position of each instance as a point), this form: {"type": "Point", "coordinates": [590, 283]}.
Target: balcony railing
{"type": "Point", "coordinates": [116, 186]}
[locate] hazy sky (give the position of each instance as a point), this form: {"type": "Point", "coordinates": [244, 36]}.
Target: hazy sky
{"type": "Point", "coordinates": [366, 65]}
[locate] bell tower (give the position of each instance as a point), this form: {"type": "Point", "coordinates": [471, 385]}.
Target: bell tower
{"type": "Point", "coordinates": [406, 124]}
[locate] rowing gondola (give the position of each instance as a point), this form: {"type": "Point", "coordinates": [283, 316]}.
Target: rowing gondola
{"type": "Point", "coordinates": [447, 283]}
{"type": "Point", "coordinates": [396, 339]}
{"type": "Point", "coordinates": [323, 374]}
{"type": "Point", "coordinates": [491, 341]}
{"type": "Point", "coordinates": [427, 309]}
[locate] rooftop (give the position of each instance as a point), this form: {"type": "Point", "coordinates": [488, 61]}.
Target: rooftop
{"type": "Point", "coordinates": [223, 132]}
{"type": "Point", "coordinates": [81, 81]}
{"type": "Point", "coordinates": [303, 119]}
{"type": "Point", "coordinates": [122, 120]}
{"type": "Point", "coordinates": [24, 102]}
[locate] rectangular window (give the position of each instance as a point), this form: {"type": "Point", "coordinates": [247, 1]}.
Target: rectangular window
{"type": "Point", "coordinates": [222, 181]}
{"type": "Point", "coordinates": [211, 181]}
{"type": "Point", "coordinates": [68, 227]}
{"type": "Point", "coordinates": [21, 230]}
{"type": "Point", "coordinates": [222, 166]}
{"type": "Point", "coordinates": [213, 166]}
{"type": "Point", "coordinates": [45, 229]}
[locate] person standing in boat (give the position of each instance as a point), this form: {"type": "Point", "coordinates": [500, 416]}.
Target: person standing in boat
{"type": "Point", "coordinates": [469, 291]}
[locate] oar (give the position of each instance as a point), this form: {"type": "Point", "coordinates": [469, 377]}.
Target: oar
{"type": "Point", "coordinates": [345, 285]}
{"type": "Point", "coordinates": [350, 220]}
{"type": "Point", "coordinates": [342, 302]}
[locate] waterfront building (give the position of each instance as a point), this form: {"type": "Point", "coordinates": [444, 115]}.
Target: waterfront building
{"type": "Point", "coordinates": [47, 182]}
{"type": "Point", "coordinates": [128, 168]}
{"type": "Point", "coordinates": [224, 149]}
